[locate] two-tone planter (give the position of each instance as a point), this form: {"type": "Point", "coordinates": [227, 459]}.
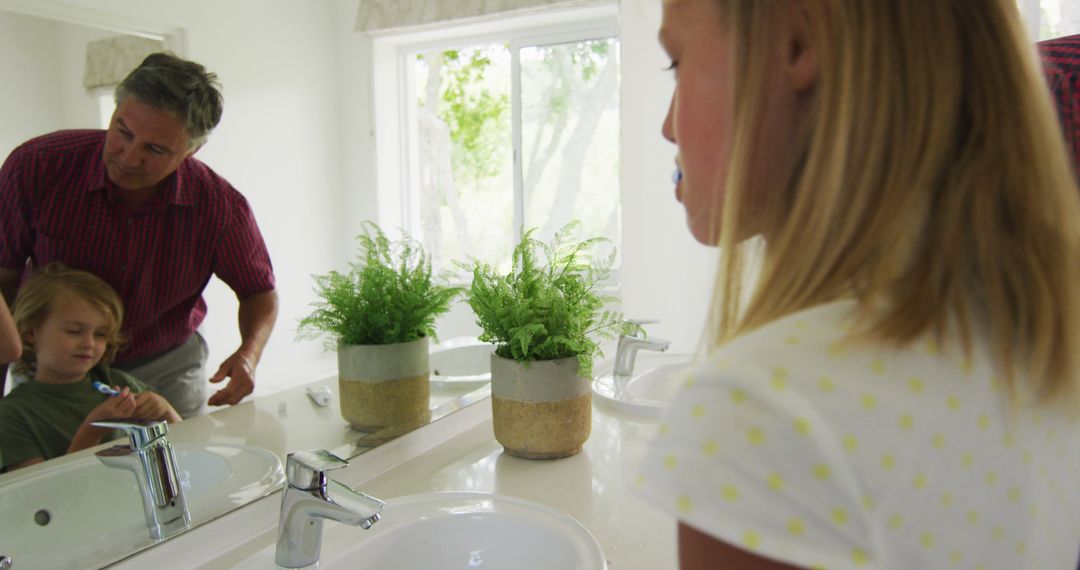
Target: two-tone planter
{"type": "Point", "coordinates": [385, 388]}
{"type": "Point", "coordinates": [540, 409]}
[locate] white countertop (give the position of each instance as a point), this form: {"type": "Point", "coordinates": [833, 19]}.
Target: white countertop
{"type": "Point", "coordinates": [286, 421]}
{"type": "Point", "coordinates": [457, 453]}
{"type": "Point", "coordinates": [595, 486]}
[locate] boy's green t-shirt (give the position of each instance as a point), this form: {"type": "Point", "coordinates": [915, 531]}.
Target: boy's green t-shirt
{"type": "Point", "coordinates": [40, 420]}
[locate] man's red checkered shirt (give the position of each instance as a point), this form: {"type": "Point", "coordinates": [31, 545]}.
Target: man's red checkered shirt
{"type": "Point", "coordinates": [1061, 60]}
{"type": "Point", "coordinates": [56, 205]}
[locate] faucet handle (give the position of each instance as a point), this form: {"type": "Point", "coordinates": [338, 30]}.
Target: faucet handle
{"type": "Point", "coordinates": [141, 432]}
{"type": "Point", "coordinates": [633, 327]}
{"type": "Point", "coordinates": [640, 322]}
{"type": "Point", "coordinates": [306, 470]}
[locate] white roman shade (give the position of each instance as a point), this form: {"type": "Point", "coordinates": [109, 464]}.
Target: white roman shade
{"type": "Point", "coordinates": [384, 15]}
{"type": "Point", "coordinates": [110, 60]}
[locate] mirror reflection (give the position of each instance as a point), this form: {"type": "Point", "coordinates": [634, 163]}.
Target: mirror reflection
{"type": "Point", "coordinates": [293, 143]}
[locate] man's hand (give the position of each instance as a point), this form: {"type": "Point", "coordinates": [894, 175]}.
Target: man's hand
{"type": "Point", "coordinates": [240, 370]}
{"type": "Point", "coordinates": [256, 316]}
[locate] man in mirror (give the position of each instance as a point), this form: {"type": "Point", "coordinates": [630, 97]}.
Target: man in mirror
{"type": "Point", "coordinates": [133, 206]}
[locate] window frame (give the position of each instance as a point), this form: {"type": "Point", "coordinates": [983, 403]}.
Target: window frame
{"type": "Point", "coordinates": [393, 89]}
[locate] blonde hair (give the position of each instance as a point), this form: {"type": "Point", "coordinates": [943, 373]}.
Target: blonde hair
{"type": "Point", "coordinates": [36, 296]}
{"type": "Point", "coordinates": [929, 182]}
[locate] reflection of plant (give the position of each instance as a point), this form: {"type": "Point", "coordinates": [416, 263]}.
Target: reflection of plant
{"type": "Point", "coordinates": [390, 296]}
{"type": "Point", "coordinates": [550, 310]}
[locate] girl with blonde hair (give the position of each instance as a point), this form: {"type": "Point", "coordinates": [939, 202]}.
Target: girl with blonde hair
{"type": "Point", "coordinates": [69, 321]}
{"type": "Point", "coordinates": [898, 388]}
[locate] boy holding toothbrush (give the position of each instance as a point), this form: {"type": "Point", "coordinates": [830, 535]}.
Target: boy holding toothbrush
{"type": "Point", "coordinates": [69, 322]}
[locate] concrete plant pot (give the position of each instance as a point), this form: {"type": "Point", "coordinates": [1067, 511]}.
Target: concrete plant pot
{"type": "Point", "coordinates": [385, 388]}
{"type": "Point", "coordinates": [540, 409]}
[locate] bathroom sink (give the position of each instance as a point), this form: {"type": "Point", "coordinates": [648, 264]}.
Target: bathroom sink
{"type": "Point", "coordinates": [649, 391]}
{"type": "Point", "coordinates": [460, 363]}
{"type": "Point", "coordinates": [84, 514]}
{"type": "Point", "coordinates": [457, 531]}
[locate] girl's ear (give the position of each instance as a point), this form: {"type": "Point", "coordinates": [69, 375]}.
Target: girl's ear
{"type": "Point", "coordinates": [28, 337]}
{"type": "Point", "coordinates": [802, 59]}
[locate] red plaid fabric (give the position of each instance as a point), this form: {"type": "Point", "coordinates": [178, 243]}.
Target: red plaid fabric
{"type": "Point", "coordinates": [56, 204]}
{"type": "Point", "coordinates": [1061, 60]}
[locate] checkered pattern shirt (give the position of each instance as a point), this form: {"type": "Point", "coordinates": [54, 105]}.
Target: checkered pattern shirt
{"type": "Point", "coordinates": [1061, 60]}
{"type": "Point", "coordinates": [57, 204]}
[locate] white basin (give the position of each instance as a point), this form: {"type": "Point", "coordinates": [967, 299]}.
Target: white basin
{"type": "Point", "coordinates": [452, 531]}
{"type": "Point", "coordinates": [461, 363]}
{"type": "Point", "coordinates": [649, 391]}
{"type": "Point", "coordinates": [84, 514]}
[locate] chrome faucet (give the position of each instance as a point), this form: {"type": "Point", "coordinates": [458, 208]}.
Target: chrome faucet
{"type": "Point", "coordinates": [630, 344]}
{"type": "Point", "coordinates": [310, 497]}
{"type": "Point", "coordinates": [149, 456]}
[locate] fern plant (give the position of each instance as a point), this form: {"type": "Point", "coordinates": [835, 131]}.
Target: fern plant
{"type": "Point", "coordinates": [388, 296]}
{"type": "Point", "coordinates": [548, 308]}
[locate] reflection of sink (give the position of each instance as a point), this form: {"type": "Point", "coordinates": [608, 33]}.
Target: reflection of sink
{"type": "Point", "coordinates": [457, 530]}
{"type": "Point", "coordinates": [461, 362]}
{"type": "Point", "coordinates": [649, 391]}
{"type": "Point", "coordinates": [84, 514]}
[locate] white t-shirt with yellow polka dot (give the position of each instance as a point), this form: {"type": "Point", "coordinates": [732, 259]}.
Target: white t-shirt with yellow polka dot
{"type": "Point", "coordinates": [800, 447]}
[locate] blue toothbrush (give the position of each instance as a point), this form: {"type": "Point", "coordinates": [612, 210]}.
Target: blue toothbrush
{"type": "Point", "coordinates": [105, 388]}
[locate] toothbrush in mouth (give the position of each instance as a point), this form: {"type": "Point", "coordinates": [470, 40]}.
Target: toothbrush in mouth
{"type": "Point", "coordinates": [105, 388]}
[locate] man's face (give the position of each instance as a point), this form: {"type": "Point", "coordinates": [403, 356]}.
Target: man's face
{"type": "Point", "coordinates": [144, 145]}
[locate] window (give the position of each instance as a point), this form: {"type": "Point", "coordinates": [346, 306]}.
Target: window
{"type": "Point", "coordinates": [517, 128]}
{"type": "Point", "coordinates": [1051, 18]}
{"type": "Point", "coordinates": [106, 105]}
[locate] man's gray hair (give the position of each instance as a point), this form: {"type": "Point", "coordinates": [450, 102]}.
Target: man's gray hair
{"type": "Point", "coordinates": [180, 87]}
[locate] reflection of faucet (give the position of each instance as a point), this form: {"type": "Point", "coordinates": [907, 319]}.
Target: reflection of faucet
{"type": "Point", "coordinates": [150, 457]}
{"type": "Point", "coordinates": [307, 500]}
{"type": "Point", "coordinates": [629, 344]}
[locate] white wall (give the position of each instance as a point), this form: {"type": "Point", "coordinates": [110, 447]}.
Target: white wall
{"type": "Point", "coordinates": [666, 274]}
{"type": "Point", "coordinates": [78, 108]}
{"type": "Point", "coordinates": [44, 60]}
{"type": "Point", "coordinates": [30, 91]}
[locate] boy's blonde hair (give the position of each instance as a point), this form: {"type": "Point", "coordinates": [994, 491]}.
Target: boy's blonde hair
{"type": "Point", "coordinates": [34, 303]}
{"type": "Point", "coordinates": [930, 183]}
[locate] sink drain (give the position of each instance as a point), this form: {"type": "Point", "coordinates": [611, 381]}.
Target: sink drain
{"type": "Point", "coordinates": [42, 517]}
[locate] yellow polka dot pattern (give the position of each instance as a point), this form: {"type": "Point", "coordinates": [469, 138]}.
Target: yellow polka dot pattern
{"type": "Point", "coordinates": [802, 441]}
{"type": "Point", "coordinates": [751, 539]}
{"type": "Point", "coordinates": [796, 527]}
{"type": "Point", "coordinates": [670, 462]}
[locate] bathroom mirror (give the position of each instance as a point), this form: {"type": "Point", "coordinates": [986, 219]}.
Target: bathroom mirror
{"type": "Point", "coordinates": [296, 140]}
